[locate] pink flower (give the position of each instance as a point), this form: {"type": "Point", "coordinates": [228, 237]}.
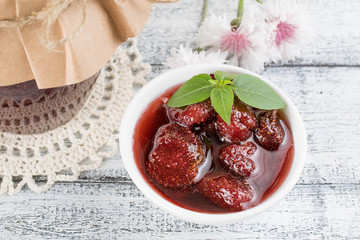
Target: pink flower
{"type": "Point", "coordinates": [243, 46]}
{"type": "Point", "coordinates": [288, 29]}
{"type": "Point", "coordinates": [284, 31]}
{"type": "Point", "coordinates": [235, 42]}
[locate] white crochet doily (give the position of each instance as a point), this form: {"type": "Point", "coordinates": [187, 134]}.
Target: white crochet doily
{"type": "Point", "coordinates": [82, 143]}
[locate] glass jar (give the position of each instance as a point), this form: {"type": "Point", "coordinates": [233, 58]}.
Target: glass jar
{"type": "Point", "coordinates": [25, 109]}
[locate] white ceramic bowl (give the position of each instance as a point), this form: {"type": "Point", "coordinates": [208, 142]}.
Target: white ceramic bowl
{"type": "Point", "coordinates": [159, 85]}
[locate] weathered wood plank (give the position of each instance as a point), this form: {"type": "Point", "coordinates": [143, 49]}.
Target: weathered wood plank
{"type": "Point", "coordinates": [329, 103]}
{"type": "Point", "coordinates": [335, 23]}
{"type": "Point", "coordinates": [120, 211]}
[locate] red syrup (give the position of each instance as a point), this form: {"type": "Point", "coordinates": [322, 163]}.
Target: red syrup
{"type": "Point", "coordinates": [271, 167]}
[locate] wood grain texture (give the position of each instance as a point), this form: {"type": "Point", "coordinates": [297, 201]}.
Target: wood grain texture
{"type": "Point", "coordinates": [325, 204]}
{"type": "Point", "coordinates": [120, 211]}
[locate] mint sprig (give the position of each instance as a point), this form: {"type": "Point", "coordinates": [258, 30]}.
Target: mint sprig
{"type": "Point", "coordinates": [195, 90]}
{"type": "Point", "coordinates": [254, 92]}
{"type": "Point", "coordinates": [249, 89]}
{"type": "Point", "coordinates": [222, 99]}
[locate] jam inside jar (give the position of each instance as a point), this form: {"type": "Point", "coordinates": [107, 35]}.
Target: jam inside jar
{"type": "Point", "coordinates": [25, 109]}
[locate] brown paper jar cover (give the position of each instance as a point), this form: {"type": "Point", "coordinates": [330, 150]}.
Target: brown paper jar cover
{"type": "Point", "coordinates": [42, 89]}
{"type": "Point", "coordinates": [24, 58]}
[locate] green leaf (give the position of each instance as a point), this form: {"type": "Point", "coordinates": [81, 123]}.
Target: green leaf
{"type": "Point", "coordinates": [214, 82]}
{"type": "Point", "coordinates": [222, 99]}
{"type": "Point", "coordinates": [219, 75]}
{"type": "Point", "coordinates": [195, 90]}
{"type": "Point", "coordinates": [254, 92]}
{"type": "Point", "coordinates": [227, 82]}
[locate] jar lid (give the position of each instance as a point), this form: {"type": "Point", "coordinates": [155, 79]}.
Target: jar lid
{"type": "Point", "coordinates": [23, 57]}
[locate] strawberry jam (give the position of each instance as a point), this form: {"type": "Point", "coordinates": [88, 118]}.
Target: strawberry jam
{"type": "Point", "coordinates": [268, 171]}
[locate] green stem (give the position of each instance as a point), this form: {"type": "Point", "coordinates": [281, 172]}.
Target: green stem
{"type": "Point", "coordinates": [204, 10]}
{"type": "Point", "coordinates": [240, 10]}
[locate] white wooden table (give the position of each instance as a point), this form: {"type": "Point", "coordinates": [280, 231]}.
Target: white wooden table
{"type": "Point", "coordinates": [325, 203]}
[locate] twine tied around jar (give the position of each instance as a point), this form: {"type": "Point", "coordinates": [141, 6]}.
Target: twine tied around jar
{"type": "Point", "coordinates": [49, 14]}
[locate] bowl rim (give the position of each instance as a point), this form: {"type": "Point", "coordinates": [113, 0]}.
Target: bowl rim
{"type": "Point", "coordinates": [142, 98]}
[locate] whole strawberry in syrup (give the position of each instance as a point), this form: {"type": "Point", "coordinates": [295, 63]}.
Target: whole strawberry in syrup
{"type": "Point", "coordinates": [237, 158]}
{"type": "Point", "coordinates": [226, 191]}
{"type": "Point", "coordinates": [176, 155]}
{"type": "Point", "coordinates": [193, 114]}
{"type": "Point", "coordinates": [242, 122]}
{"type": "Point", "coordinates": [270, 134]}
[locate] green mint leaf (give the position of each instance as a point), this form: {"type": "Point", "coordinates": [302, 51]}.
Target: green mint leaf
{"type": "Point", "coordinates": [222, 99]}
{"type": "Point", "coordinates": [227, 82]}
{"type": "Point", "coordinates": [195, 90]}
{"type": "Point", "coordinates": [220, 75]}
{"type": "Point", "coordinates": [214, 82]}
{"type": "Point", "coordinates": [254, 92]}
